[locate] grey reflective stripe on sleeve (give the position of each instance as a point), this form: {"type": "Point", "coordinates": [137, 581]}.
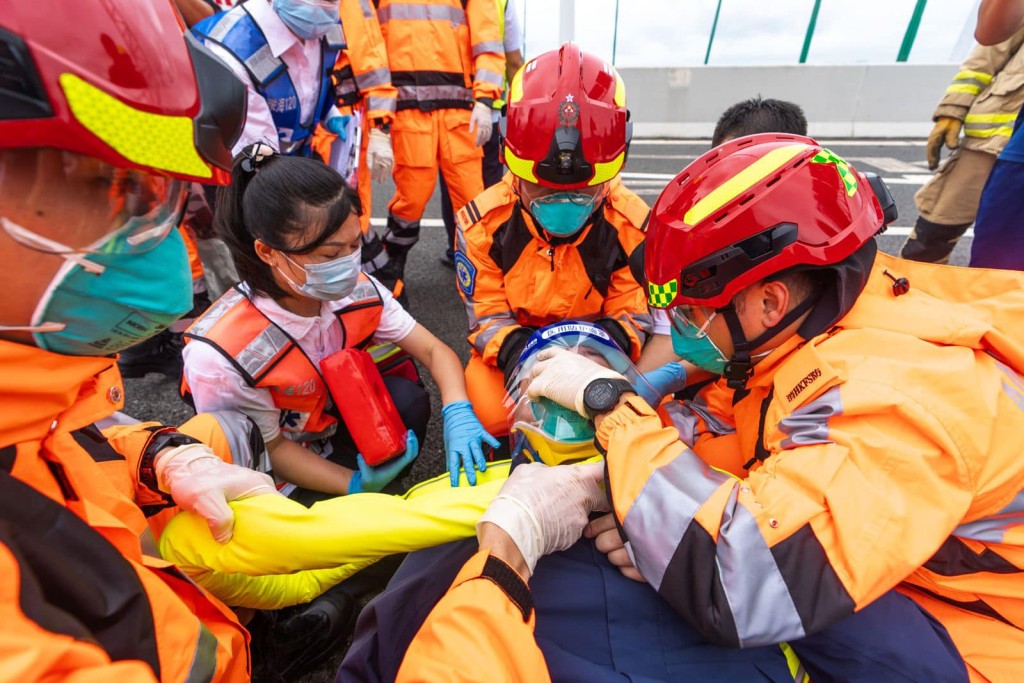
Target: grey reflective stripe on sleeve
{"type": "Point", "coordinates": [204, 661]}
{"type": "Point", "coordinates": [380, 104]}
{"type": "Point", "coordinates": [367, 8]}
{"type": "Point", "coordinates": [973, 82]}
{"type": "Point", "coordinates": [660, 515]}
{"type": "Point", "coordinates": [258, 354]}
{"type": "Point", "coordinates": [263, 64]}
{"type": "Point", "coordinates": [993, 529]}
{"type": "Point", "coordinates": [414, 12]}
{"type": "Point", "coordinates": [488, 76]}
{"type": "Point", "coordinates": [808, 424]}
{"type": "Point", "coordinates": [370, 79]}
{"type": "Point", "coordinates": [641, 323]}
{"type": "Point", "coordinates": [379, 261]}
{"type": "Point", "coordinates": [758, 596]}
{"type": "Point", "coordinates": [485, 337]}
{"type": "Point", "coordinates": [495, 46]}
{"type": "Point", "coordinates": [213, 314]}
{"type": "Point", "coordinates": [712, 423]}
{"type": "Point", "coordinates": [227, 22]}
{"type": "Point", "coordinates": [238, 430]}
{"type": "Point", "coordinates": [345, 87]}
{"type": "Point", "coordinates": [1013, 384]}
{"type": "Point", "coordinates": [335, 37]}
{"type": "Point", "coordinates": [424, 93]}
{"type": "Point", "coordinates": [684, 420]}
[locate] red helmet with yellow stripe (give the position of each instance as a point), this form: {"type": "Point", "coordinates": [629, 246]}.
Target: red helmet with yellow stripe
{"type": "Point", "coordinates": [566, 125]}
{"type": "Point", "coordinates": [754, 207]}
{"type": "Point", "coordinates": [116, 81]}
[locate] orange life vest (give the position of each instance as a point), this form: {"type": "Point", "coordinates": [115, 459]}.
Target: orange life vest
{"type": "Point", "coordinates": [267, 357]}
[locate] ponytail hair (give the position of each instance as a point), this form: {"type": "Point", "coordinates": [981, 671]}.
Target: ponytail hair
{"type": "Point", "coordinates": [291, 204]}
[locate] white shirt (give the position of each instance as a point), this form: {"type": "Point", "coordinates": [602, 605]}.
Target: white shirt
{"type": "Point", "coordinates": [662, 324]}
{"type": "Point", "coordinates": [216, 384]}
{"type": "Point", "coordinates": [302, 57]}
{"type": "Point", "coordinates": [513, 40]}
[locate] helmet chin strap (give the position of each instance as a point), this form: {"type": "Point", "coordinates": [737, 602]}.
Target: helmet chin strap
{"type": "Point", "coordinates": [741, 366]}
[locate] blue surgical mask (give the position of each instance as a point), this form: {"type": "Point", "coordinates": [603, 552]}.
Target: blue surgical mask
{"type": "Point", "coordinates": [693, 344]}
{"type": "Point", "coordinates": [328, 281]}
{"type": "Point", "coordinates": [115, 300]}
{"type": "Point", "coordinates": [563, 213]}
{"type": "Point", "coordinates": [308, 19]}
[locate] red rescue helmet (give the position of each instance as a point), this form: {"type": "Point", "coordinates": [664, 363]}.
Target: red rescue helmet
{"type": "Point", "coordinates": [566, 125]}
{"type": "Point", "coordinates": [115, 81]}
{"type": "Point", "coordinates": [754, 207]}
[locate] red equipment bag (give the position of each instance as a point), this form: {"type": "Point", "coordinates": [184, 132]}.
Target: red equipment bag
{"type": "Point", "coordinates": [365, 404]}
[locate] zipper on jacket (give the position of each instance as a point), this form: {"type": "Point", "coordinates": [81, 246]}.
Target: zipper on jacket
{"type": "Point", "coordinates": [551, 255]}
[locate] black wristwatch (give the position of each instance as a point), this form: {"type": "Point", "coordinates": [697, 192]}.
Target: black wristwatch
{"type": "Point", "coordinates": [165, 438]}
{"type": "Point", "coordinates": [603, 394]}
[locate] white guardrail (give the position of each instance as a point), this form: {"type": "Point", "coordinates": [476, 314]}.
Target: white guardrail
{"type": "Point", "coordinates": [860, 101]}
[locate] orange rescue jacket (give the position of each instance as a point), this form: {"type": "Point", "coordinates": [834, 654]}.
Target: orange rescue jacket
{"type": "Point", "coordinates": [268, 358]}
{"type": "Point", "coordinates": [510, 276]}
{"type": "Point", "coordinates": [361, 73]}
{"type": "Point", "coordinates": [884, 454]}
{"type": "Point", "coordinates": [80, 597]}
{"type": "Point", "coordinates": [444, 54]}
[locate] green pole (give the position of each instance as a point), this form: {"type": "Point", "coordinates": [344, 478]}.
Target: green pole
{"type": "Point", "coordinates": [615, 34]}
{"type": "Point", "coordinates": [911, 34]}
{"type": "Point", "coordinates": [810, 32]}
{"type": "Point", "coordinates": [714, 27]}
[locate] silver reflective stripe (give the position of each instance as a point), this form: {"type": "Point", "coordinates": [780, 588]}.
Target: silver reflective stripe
{"type": "Point", "coordinates": [345, 87]}
{"type": "Point", "coordinates": [642, 324]}
{"type": "Point", "coordinates": [204, 662]}
{"type": "Point", "coordinates": [484, 338]}
{"type": "Point", "coordinates": [380, 104]}
{"type": "Point", "coordinates": [379, 261]}
{"type": "Point", "coordinates": [712, 423]}
{"type": "Point", "coordinates": [495, 46]}
{"type": "Point", "coordinates": [760, 602]}
{"type": "Point", "coordinates": [1013, 385]}
{"type": "Point", "coordinates": [335, 37]}
{"type": "Point", "coordinates": [227, 22]}
{"type": "Point", "coordinates": [390, 238]}
{"type": "Point", "coordinates": [973, 82]}
{"type": "Point", "coordinates": [488, 76]}
{"type": "Point", "coordinates": [663, 511]}
{"type": "Point", "coordinates": [993, 529]}
{"type": "Point", "coordinates": [367, 8]}
{"type": "Point", "coordinates": [683, 419]}
{"type": "Point", "coordinates": [263, 63]}
{"type": "Point", "coordinates": [402, 223]}
{"type": "Point", "coordinates": [364, 290]}
{"type": "Point", "coordinates": [262, 350]}
{"type": "Point", "coordinates": [237, 429]}
{"type": "Point", "coordinates": [373, 78]}
{"type": "Point", "coordinates": [808, 424]}
{"type": "Point", "coordinates": [423, 93]}
{"type": "Point", "coordinates": [415, 12]}
{"type": "Point", "coordinates": [213, 314]}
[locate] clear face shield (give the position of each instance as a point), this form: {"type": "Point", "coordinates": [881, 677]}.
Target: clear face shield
{"type": "Point", "coordinates": [543, 430]}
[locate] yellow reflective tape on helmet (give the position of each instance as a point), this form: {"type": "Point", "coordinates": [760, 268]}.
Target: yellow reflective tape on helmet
{"type": "Point", "coordinates": [660, 296]}
{"type": "Point", "coordinates": [603, 172]}
{"type": "Point", "coordinates": [163, 143]}
{"type": "Point", "coordinates": [520, 167]}
{"type": "Point", "coordinates": [620, 89]}
{"type": "Point", "coordinates": [515, 88]}
{"type": "Point", "coordinates": [741, 182]}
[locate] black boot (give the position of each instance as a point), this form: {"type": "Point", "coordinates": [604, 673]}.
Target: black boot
{"type": "Point", "coordinates": [160, 353]}
{"type": "Point", "coordinates": [932, 242]}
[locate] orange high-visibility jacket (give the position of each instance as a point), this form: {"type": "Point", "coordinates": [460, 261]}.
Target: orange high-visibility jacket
{"type": "Point", "coordinates": [884, 454]}
{"type": "Point", "coordinates": [510, 276]}
{"type": "Point", "coordinates": [444, 54]}
{"type": "Point", "coordinates": [266, 357]}
{"type": "Point", "coordinates": [488, 612]}
{"type": "Point", "coordinates": [81, 599]}
{"type": "Point", "coordinates": [362, 72]}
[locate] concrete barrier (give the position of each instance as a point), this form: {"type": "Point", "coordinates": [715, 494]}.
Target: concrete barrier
{"type": "Point", "coordinates": [860, 101]}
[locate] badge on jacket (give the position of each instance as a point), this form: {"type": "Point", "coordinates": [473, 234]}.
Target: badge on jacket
{"type": "Point", "coordinates": [465, 273]}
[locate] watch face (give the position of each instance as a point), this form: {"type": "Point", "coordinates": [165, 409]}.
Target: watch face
{"type": "Point", "coordinates": [601, 395]}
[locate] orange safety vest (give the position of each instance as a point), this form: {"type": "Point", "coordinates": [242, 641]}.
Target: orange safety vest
{"type": "Point", "coordinates": [268, 358]}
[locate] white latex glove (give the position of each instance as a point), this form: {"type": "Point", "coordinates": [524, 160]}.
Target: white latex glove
{"type": "Point", "coordinates": [379, 156]}
{"type": "Point", "coordinates": [562, 375]}
{"type": "Point", "coordinates": [480, 121]}
{"type": "Point", "coordinates": [201, 482]}
{"type": "Point", "coordinates": [544, 509]}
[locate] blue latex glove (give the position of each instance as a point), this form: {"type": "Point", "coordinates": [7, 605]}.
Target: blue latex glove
{"type": "Point", "coordinates": [668, 379]}
{"type": "Point", "coordinates": [463, 435]}
{"type": "Point", "coordinates": [372, 479]}
{"type": "Point", "coordinates": [339, 126]}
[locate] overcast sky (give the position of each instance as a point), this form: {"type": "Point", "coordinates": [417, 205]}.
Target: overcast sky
{"type": "Point", "coordinates": [675, 32]}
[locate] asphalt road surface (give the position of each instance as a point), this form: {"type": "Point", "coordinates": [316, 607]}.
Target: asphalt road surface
{"type": "Point", "coordinates": [435, 303]}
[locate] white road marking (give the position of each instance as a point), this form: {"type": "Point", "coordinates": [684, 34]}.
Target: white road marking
{"type": "Point", "coordinates": [890, 164]}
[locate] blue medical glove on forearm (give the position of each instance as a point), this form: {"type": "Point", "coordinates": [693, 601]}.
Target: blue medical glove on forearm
{"type": "Point", "coordinates": [463, 435]}
{"type": "Point", "coordinates": [339, 126]}
{"type": "Point", "coordinates": [668, 379]}
{"type": "Point", "coordinates": [369, 479]}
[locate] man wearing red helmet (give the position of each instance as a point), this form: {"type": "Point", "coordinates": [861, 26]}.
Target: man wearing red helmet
{"type": "Point", "coordinates": [551, 241]}
{"type": "Point", "coordinates": [864, 432]}
{"type": "Point", "coordinates": [105, 115]}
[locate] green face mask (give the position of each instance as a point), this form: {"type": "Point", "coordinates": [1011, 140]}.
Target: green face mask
{"type": "Point", "coordinates": [692, 343]}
